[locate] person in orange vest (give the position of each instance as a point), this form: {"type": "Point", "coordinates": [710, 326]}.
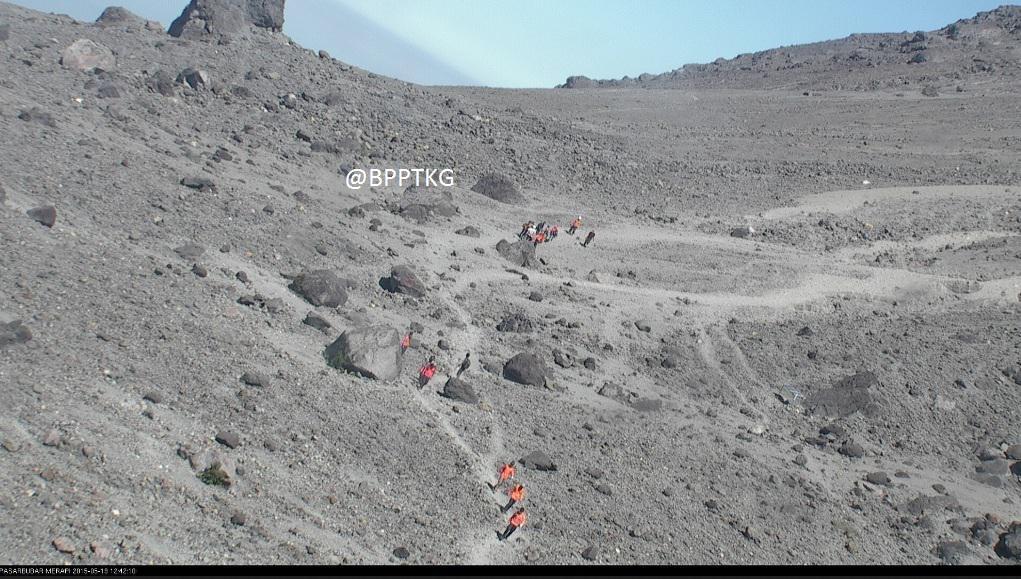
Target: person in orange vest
{"type": "Point", "coordinates": [539, 238]}
{"type": "Point", "coordinates": [406, 342]}
{"type": "Point", "coordinates": [426, 373]}
{"type": "Point", "coordinates": [553, 232]}
{"type": "Point", "coordinates": [506, 472]}
{"type": "Point", "coordinates": [517, 519]}
{"type": "Point", "coordinates": [575, 226]}
{"type": "Point", "coordinates": [517, 494]}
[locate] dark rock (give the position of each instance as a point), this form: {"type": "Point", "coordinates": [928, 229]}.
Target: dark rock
{"type": "Point", "coordinates": [535, 296]}
{"type": "Point", "coordinates": [589, 363]}
{"type": "Point", "coordinates": [591, 553]}
{"type": "Point", "coordinates": [320, 288]}
{"type": "Point", "coordinates": [373, 351]}
{"type": "Point", "coordinates": [163, 83]}
{"type": "Point", "coordinates": [998, 467]}
{"type": "Point", "coordinates": [108, 90]}
{"type": "Point", "coordinates": [238, 518]}
{"type": "Point", "coordinates": [878, 478]}
{"type": "Point", "coordinates": [52, 438]}
{"type": "Point", "coordinates": [806, 332]}
{"type": "Point", "coordinates": [526, 368]}
{"type": "Point", "coordinates": [196, 79]}
{"type": "Point", "coordinates": [499, 188]}
{"type": "Point", "coordinates": [121, 16]}
{"type": "Point", "coordinates": [469, 231]}
{"type": "Point", "coordinates": [742, 232]}
{"type": "Point", "coordinates": [643, 326]}
{"type": "Point", "coordinates": [953, 552]}
{"type": "Point", "coordinates": [538, 460]}
{"type": "Point", "coordinates": [852, 449]}
{"type": "Point", "coordinates": [846, 397]}
{"type": "Point", "coordinates": [578, 81]}
{"type": "Point", "coordinates": [562, 359]}
{"type": "Point", "coordinates": [402, 553]}
{"type": "Point", "coordinates": [218, 17]}
{"type": "Point", "coordinates": [1013, 452]}
{"type": "Point", "coordinates": [255, 378]}
{"type": "Point", "coordinates": [613, 391]}
{"type": "Point", "coordinates": [200, 183]}
{"type": "Point", "coordinates": [190, 251]}
{"type": "Point", "coordinates": [86, 55]}
{"type": "Point", "coordinates": [457, 389]}
{"type": "Point", "coordinates": [46, 215]}
{"type": "Point", "coordinates": [516, 322]}
{"type": "Point", "coordinates": [316, 321]}
{"type": "Point", "coordinates": [1009, 545]}
{"type": "Point", "coordinates": [594, 472]}
{"type": "Point", "coordinates": [604, 488]}
{"type": "Point", "coordinates": [403, 280]}
{"type": "Point", "coordinates": [228, 439]}
{"type": "Point", "coordinates": [520, 253]}
{"type": "Point", "coordinates": [37, 115]}
{"type": "Point", "coordinates": [443, 345]}
{"type": "Point", "coordinates": [199, 270]}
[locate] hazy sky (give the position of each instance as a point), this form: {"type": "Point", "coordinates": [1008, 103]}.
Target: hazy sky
{"type": "Point", "coordinates": [539, 43]}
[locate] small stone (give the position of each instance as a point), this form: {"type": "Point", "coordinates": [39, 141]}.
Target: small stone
{"type": "Point", "coordinates": [591, 553]}
{"type": "Point", "coordinates": [402, 553]}
{"type": "Point", "coordinates": [239, 518]}
{"type": "Point", "coordinates": [254, 378]}
{"type": "Point", "coordinates": [64, 545]}
{"type": "Point", "coordinates": [878, 478]}
{"type": "Point", "coordinates": [228, 439]}
{"type": "Point", "coordinates": [153, 396]}
{"type": "Point", "coordinates": [199, 270]}
{"type": "Point", "coordinates": [535, 296]}
{"type": "Point", "coordinates": [100, 550]}
{"type": "Point", "coordinates": [52, 438]}
{"type": "Point", "coordinates": [45, 215]}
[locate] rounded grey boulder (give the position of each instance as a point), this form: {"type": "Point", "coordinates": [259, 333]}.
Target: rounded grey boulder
{"type": "Point", "coordinates": [372, 351]}
{"type": "Point", "coordinates": [499, 188]}
{"type": "Point", "coordinates": [525, 368]}
{"type": "Point", "coordinates": [320, 288]}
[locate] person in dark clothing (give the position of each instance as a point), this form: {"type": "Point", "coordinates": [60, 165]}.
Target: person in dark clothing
{"type": "Point", "coordinates": [588, 238]}
{"type": "Point", "coordinates": [465, 364]}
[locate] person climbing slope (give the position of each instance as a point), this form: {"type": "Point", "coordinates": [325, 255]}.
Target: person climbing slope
{"type": "Point", "coordinates": [465, 364]}
{"type": "Point", "coordinates": [539, 238]}
{"type": "Point", "coordinates": [575, 226]}
{"type": "Point", "coordinates": [517, 494]}
{"type": "Point", "coordinates": [506, 473]}
{"type": "Point", "coordinates": [588, 238]}
{"type": "Point", "coordinates": [517, 519]}
{"type": "Point", "coordinates": [553, 232]}
{"type": "Point", "coordinates": [406, 342]}
{"type": "Point", "coordinates": [426, 373]}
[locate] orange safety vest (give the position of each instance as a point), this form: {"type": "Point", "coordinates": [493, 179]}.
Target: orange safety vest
{"type": "Point", "coordinates": [406, 342]}
{"type": "Point", "coordinates": [517, 493]}
{"type": "Point", "coordinates": [428, 371]}
{"type": "Point", "coordinates": [518, 519]}
{"type": "Point", "coordinates": [576, 223]}
{"type": "Point", "coordinates": [506, 472]}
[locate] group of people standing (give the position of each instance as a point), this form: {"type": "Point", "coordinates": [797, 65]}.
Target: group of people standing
{"type": "Point", "coordinates": [545, 232]}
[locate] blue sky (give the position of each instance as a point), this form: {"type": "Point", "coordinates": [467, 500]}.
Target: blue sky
{"type": "Point", "coordinates": [539, 43]}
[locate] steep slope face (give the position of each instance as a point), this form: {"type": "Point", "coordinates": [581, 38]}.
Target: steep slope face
{"type": "Point", "coordinates": [179, 251]}
{"type": "Point", "coordinates": [985, 48]}
{"type": "Point", "coordinates": [218, 17]}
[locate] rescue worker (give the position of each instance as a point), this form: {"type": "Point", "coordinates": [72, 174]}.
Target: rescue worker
{"type": "Point", "coordinates": [530, 232]}
{"type": "Point", "coordinates": [506, 472]}
{"type": "Point", "coordinates": [517, 494]}
{"type": "Point", "coordinates": [426, 373]}
{"type": "Point", "coordinates": [575, 226]}
{"type": "Point", "coordinates": [553, 232]}
{"type": "Point", "coordinates": [588, 238]}
{"type": "Point", "coordinates": [516, 520]}
{"type": "Point", "coordinates": [539, 238]}
{"type": "Point", "coordinates": [541, 226]}
{"type": "Point", "coordinates": [465, 364]}
{"type": "Point", "coordinates": [406, 342]}
{"type": "Point", "coordinates": [524, 230]}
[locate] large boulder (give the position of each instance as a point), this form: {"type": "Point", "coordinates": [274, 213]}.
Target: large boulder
{"type": "Point", "coordinates": [520, 253]}
{"type": "Point", "coordinates": [459, 390]}
{"type": "Point", "coordinates": [402, 280]}
{"type": "Point", "coordinates": [526, 368]}
{"type": "Point", "coordinates": [13, 333]}
{"type": "Point", "coordinates": [578, 81]}
{"type": "Point", "coordinates": [499, 188]}
{"type": "Point", "coordinates": [420, 204]}
{"type": "Point", "coordinates": [118, 15]}
{"type": "Point", "coordinates": [372, 351]}
{"type": "Point", "coordinates": [1009, 545]}
{"type": "Point", "coordinates": [850, 395]}
{"type": "Point", "coordinates": [321, 288]}
{"type": "Point", "coordinates": [538, 460]}
{"type": "Point", "coordinates": [219, 17]}
{"type": "Point", "coordinates": [86, 55]}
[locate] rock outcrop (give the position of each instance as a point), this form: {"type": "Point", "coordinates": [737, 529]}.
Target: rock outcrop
{"type": "Point", "coordinates": [218, 17]}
